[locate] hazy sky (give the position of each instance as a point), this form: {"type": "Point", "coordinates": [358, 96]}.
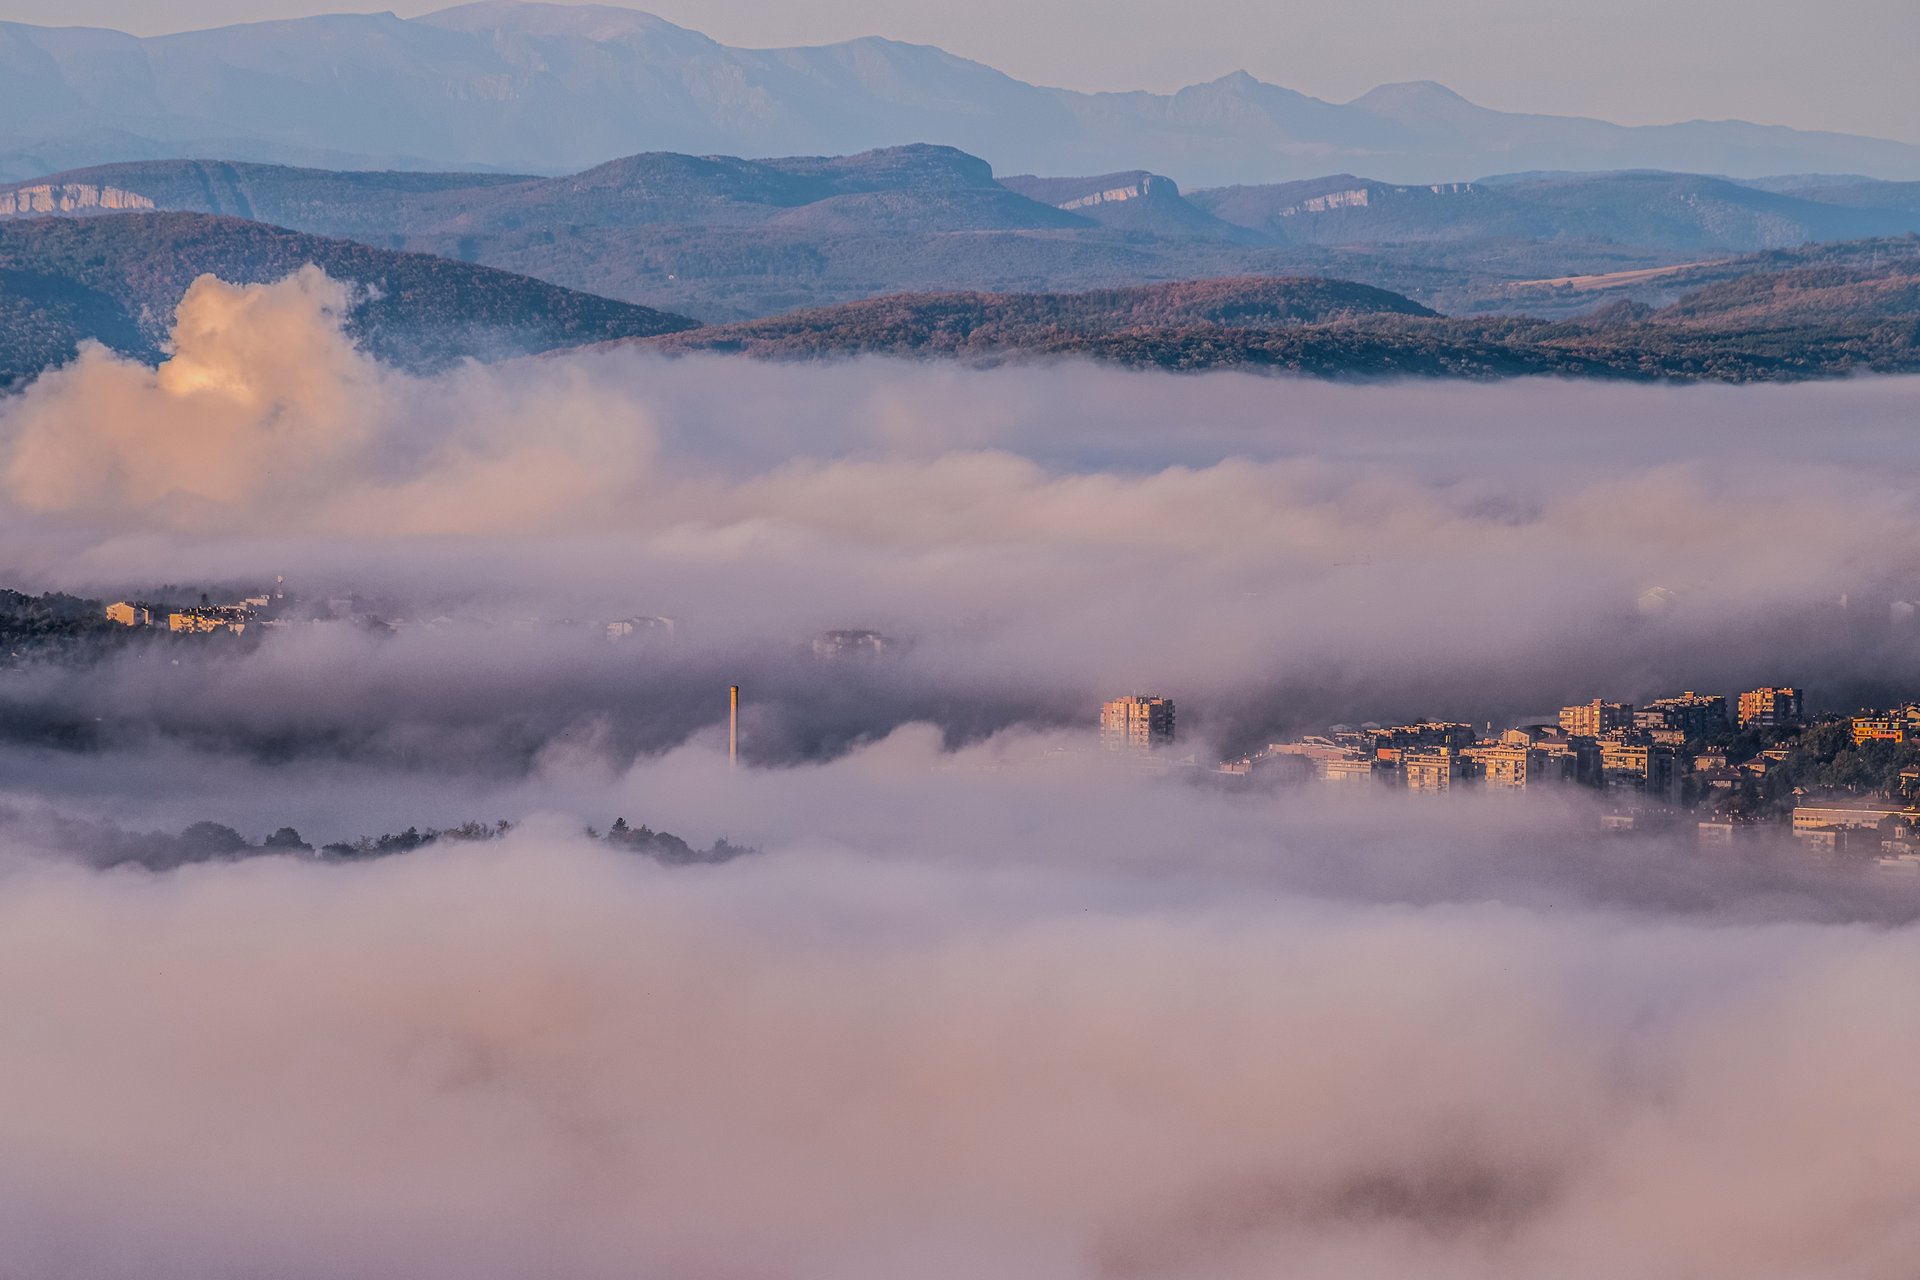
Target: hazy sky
{"type": "Point", "coordinates": [1842, 64]}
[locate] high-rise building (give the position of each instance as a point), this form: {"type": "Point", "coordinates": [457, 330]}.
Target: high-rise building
{"type": "Point", "coordinates": [1694, 715]}
{"type": "Point", "coordinates": [1136, 724]}
{"type": "Point", "coordinates": [1769, 708]}
{"type": "Point", "coordinates": [1593, 719]}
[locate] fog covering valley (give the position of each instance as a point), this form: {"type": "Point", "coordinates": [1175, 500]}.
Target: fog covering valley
{"type": "Point", "coordinates": [983, 1002]}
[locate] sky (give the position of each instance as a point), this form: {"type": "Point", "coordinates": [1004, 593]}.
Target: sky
{"type": "Point", "coordinates": [1842, 65]}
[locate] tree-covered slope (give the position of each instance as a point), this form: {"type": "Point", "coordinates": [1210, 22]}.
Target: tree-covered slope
{"type": "Point", "coordinates": [117, 279]}
{"type": "Point", "coordinates": [1783, 318]}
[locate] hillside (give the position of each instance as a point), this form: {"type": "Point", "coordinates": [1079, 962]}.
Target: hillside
{"type": "Point", "coordinates": [983, 322]}
{"type": "Point", "coordinates": [1872, 270]}
{"type": "Point", "coordinates": [117, 278]}
{"type": "Point", "coordinates": [1876, 281]}
{"type": "Point", "coordinates": [1774, 321]}
{"type": "Point", "coordinates": [1674, 212]}
{"type": "Point", "coordinates": [917, 188]}
{"type": "Point", "coordinates": [1137, 201]}
{"type": "Point", "coordinates": [549, 88]}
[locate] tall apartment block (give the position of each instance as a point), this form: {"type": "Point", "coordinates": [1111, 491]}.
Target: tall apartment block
{"type": "Point", "coordinates": [1692, 715]}
{"type": "Point", "coordinates": [1136, 724]}
{"type": "Point", "coordinates": [1593, 719]}
{"type": "Point", "coordinates": [1770, 708]}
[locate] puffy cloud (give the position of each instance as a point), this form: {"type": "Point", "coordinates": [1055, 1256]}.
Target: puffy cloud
{"type": "Point", "coordinates": [262, 390]}
{"type": "Point", "coordinates": [265, 416]}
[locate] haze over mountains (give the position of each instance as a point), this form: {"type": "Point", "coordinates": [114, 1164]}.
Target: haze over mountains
{"type": "Point", "coordinates": [723, 239]}
{"type": "Point", "coordinates": [548, 88]}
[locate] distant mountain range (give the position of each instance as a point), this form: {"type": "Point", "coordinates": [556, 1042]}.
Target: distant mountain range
{"type": "Point", "coordinates": [724, 239]}
{"type": "Point", "coordinates": [117, 279]}
{"type": "Point", "coordinates": [552, 88]}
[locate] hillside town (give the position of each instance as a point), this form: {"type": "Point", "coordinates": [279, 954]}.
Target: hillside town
{"type": "Point", "coordinates": [1756, 768]}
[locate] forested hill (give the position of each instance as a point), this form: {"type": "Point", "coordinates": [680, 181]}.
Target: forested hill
{"type": "Point", "coordinates": [942, 323]}
{"type": "Point", "coordinates": [117, 279]}
{"type": "Point", "coordinates": [1785, 317]}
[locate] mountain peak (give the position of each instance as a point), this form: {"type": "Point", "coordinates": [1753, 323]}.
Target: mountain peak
{"type": "Point", "coordinates": [1424, 97]}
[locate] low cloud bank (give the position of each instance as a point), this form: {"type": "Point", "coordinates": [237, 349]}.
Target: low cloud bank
{"type": "Point", "coordinates": [536, 1056]}
{"type": "Point", "coordinates": [1274, 554]}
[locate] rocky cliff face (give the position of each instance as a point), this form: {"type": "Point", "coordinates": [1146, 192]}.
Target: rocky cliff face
{"type": "Point", "coordinates": [68, 197]}
{"type": "Point", "coordinates": [1148, 185]}
{"type": "Point", "coordinates": [1364, 197]}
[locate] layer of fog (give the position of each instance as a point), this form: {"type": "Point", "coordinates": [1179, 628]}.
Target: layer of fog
{"type": "Point", "coordinates": [1137, 1054]}
{"type": "Point", "coordinates": [1273, 553]}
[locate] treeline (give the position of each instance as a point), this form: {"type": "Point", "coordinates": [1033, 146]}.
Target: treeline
{"type": "Point", "coordinates": [663, 846]}
{"type": "Point", "coordinates": [1365, 348]}
{"type": "Point", "coordinates": [54, 626]}
{"type": "Point", "coordinates": [103, 844]}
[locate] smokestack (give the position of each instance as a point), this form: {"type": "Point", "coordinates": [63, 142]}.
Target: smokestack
{"type": "Point", "coordinates": [733, 726]}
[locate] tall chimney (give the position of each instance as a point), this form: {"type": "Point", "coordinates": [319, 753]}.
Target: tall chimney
{"type": "Point", "coordinates": [733, 726]}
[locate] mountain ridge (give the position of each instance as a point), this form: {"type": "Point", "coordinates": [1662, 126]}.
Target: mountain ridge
{"type": "Point", "coordinates": [552, 88]}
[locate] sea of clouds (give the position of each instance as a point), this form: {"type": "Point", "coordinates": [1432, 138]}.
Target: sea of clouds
{"type": "Point", "coordinates": [984, 1004]}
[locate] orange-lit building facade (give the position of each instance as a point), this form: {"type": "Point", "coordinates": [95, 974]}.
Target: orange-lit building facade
{"type": "Point", "coordinates": [1136, 724]}
{"type": "Point", "coordinates": [1770, 708]}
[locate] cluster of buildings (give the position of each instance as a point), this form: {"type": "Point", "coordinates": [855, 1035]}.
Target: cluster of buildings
{"type": "Point", "coordinates": [202, 619]}
{"type": "Point", "coordinates": [275, 609]}
{"type": "Point", "coordinates": [1661, 751]}
{"type": "Point", "coordinates": [1659, 759]}
{"type": "Point", "coordinates": [1899, 726]}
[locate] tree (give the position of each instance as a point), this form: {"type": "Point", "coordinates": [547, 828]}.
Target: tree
{"type": "Point", "coordinates": [211, 840]}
